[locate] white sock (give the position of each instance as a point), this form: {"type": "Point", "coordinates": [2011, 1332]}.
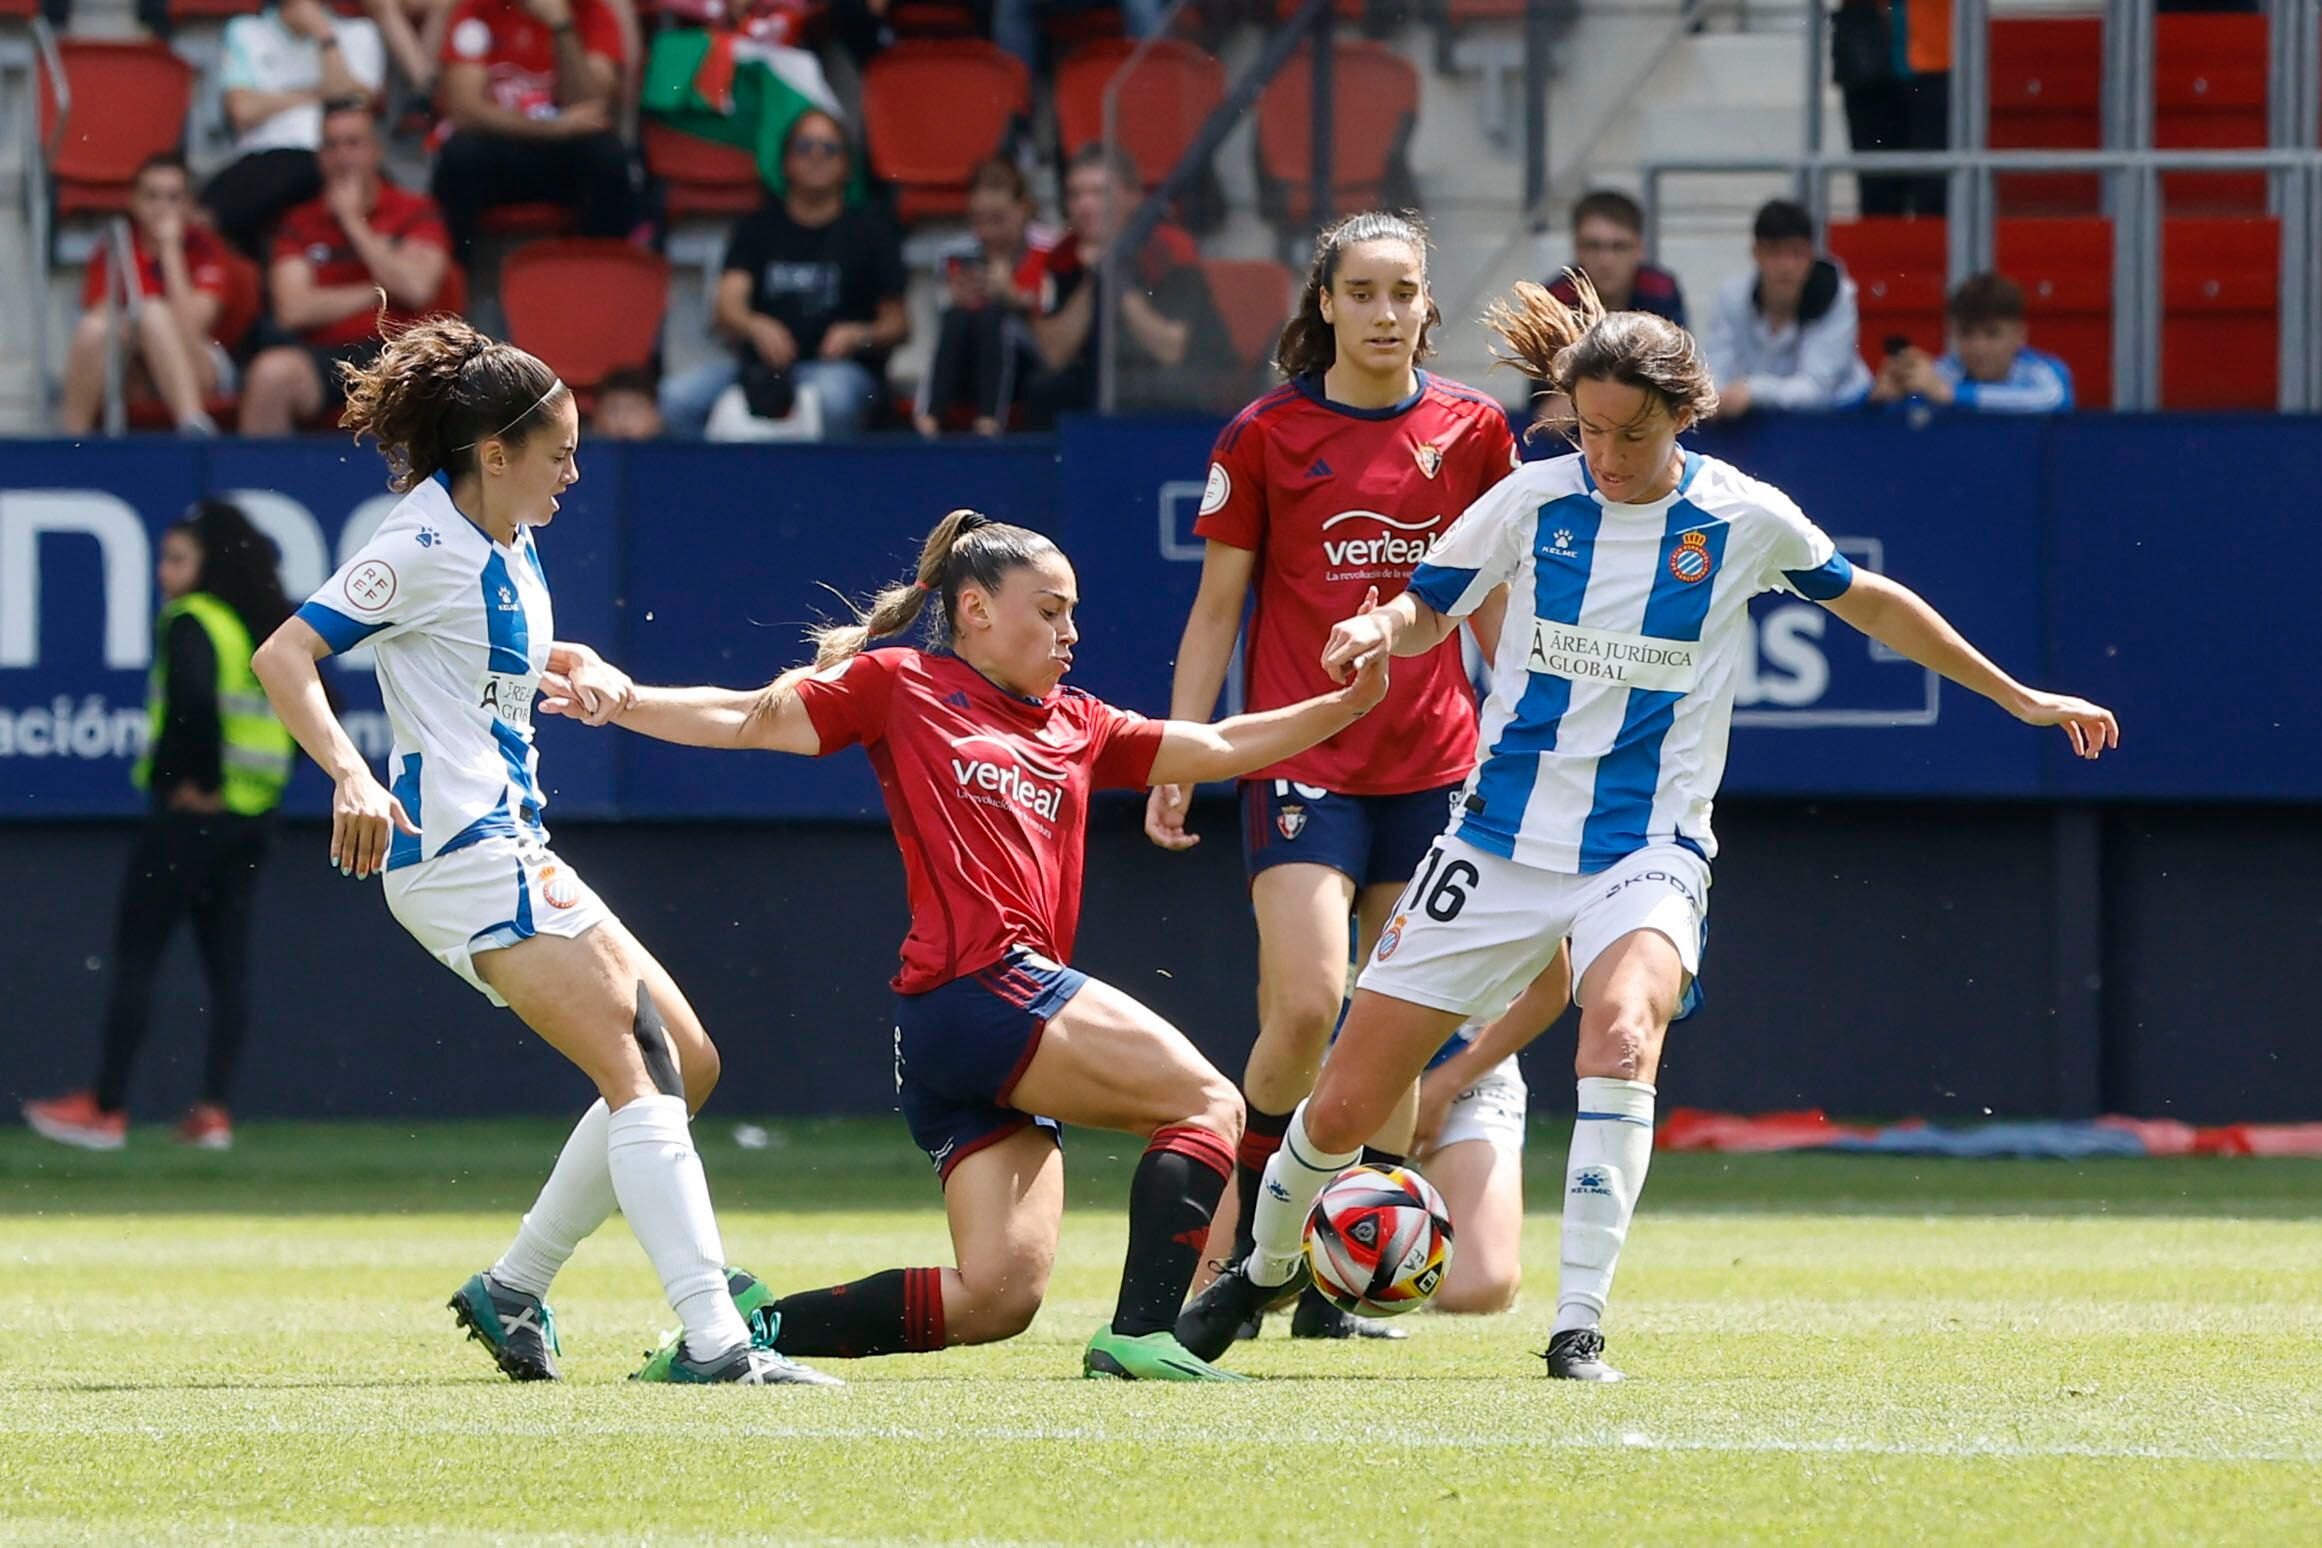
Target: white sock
{"type": "Point", "coordinates": [575, 1200]}
{"type": "Point", "coordinates": [658, 1178]}
{"type": "Point", "coordinates": [1612, 1144]}
{"type": "Point", "coordinates": [1294, 1176]}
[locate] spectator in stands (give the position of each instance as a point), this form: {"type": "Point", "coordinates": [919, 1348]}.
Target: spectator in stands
{"type": "Point", "coordinates": [1784, 335]}
{"type": "Point", "coordinates": [1891, 61]}
{"type": "Point", "coordinates": [170, 333]}
{"type": "Point", "coordinates": [627, 407]}
{"type": "Point", "coordinates": [413, 32]}
{"type": "Point", "coordinates": [1991, 366]}
{"type": "Point", "coordinates": [280, 67]}
{"type": "Point", "coordinates": [332, 257]}
{"type": "Point", "coordinates": [1608, 245]}
{"type": "Point", "coordinates": [530, 90]}
{"type": "Point", "coordinates": [811, 296]}
{"type": "Point", "coordinates": [984, 353]}
{"type": "Point", "coordinates": [1016, 24]}
{"type": "Point", "coordinates": [1172, 337]}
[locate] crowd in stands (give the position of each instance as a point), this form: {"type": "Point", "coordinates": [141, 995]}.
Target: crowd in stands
{"type": "Point", "coordinates": [244, 296]}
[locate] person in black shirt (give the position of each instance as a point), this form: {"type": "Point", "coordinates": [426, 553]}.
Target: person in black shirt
{"type": "Point", "coordinates": [213, 770]}
{"type": "Point", "coordinates": [811, 296]}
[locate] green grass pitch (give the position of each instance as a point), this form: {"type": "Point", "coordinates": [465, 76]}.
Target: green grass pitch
{"type": "Point", "coordinates": [253, 1348]}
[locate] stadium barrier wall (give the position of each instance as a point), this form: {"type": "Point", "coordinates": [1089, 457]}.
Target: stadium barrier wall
{"type": "Point", "coordinates": [1921, 906]}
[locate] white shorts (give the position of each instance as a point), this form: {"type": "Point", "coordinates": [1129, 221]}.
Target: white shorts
{"type": "Point", "coordinates": [1473, 930]}
{"type": "Point", "coordinates": [1493, 1109]}
{"type": "Point", "coordinates": [491, 894]}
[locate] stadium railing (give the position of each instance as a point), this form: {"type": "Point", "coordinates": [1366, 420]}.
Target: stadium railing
{"type": "Point", "coordinates": [2133, 179]}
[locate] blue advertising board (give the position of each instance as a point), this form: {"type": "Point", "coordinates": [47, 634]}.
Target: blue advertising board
{"type": "Point", "coordinates": [2153, 564]}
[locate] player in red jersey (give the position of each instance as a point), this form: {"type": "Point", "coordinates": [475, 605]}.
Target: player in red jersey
{"type": "Point", "coordinates": [987, 764]}
{"type": "Point", "coordinates": [1331, 485]}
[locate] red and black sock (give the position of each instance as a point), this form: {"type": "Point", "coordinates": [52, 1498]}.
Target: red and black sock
{"type": "Point", "coordinates": [1171, 1198]}
{"type": "Point", "coordinates": [899, 1311]}
{"type": "Point", "coordinates": [1261, 1137]}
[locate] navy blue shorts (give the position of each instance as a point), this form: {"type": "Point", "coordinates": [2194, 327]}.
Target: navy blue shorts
{"type": "Point", "coordinates": [1368, 839]}
{"type": "Point", "coordinates": [961, 1048]}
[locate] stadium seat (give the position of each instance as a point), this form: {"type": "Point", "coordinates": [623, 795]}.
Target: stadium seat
{"type": "Point", "coordinates": [2209, 93]}
{"type": "Point", "coordinates": [1253, 296]}
{"type": "Point", "coordinates": [126, 101]}
{"type": "Point", "coordinates": [2064, 264]}
{"type": "Point", "coordinates": [701, 177]}
{"type": "Point", "coordinates": [2046, 94]}
{"type": "Point", "coordinates": [2220, 298]}
{"type": "Point", "coordinates": [587, 305]}
{"type": "Point", "coordinates": [933, 110]}
{"type": "Point", "coordinates": [1377, 92]}
{"type": "Point", "coordinates": [1175, 88]}
{"type": "Point", "coordinates": [1899, 267]}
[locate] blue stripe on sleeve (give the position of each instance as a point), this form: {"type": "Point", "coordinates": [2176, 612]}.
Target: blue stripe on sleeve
{"type": "Point", "coordinates": [1559, 586]}
{"type": "Point", "coordinates": [1628, 776]}
{"type": "Point", "coordinates": [338, 631]}
{"type": "Point", "coordinates": [1440, 587]}
{"type": "Point", "coordinates": [1829, 579]}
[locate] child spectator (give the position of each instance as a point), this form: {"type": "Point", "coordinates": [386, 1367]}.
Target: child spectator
{"type": "Point", "coordinates": [1784, 335]}
{"type": "Point", "coordinates": [1608, 245]}
{"type": "Point", "coordinates": [984, 353]}
{"type": "Point", "coordinates": [627, 408]}
{"type": "Point", "coordinates": [1991, 367]}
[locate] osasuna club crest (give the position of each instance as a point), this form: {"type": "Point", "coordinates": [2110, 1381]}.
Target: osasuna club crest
{"type": "Point", "coordinates": [1290, 820]}
{"type": "Point", "coordinates": [1429, 456]}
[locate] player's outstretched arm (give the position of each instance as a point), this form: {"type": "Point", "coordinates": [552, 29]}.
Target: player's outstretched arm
{"type": "Point", "coordinates": [1404, 627]}
{"type": "Point", "coordinates": [362, 810]}
{"type": "Point", "coordinates": [601, 689]}
{"type": "Point", "coordinates": [768, 719]}
{"type": "Point", "coordinates": [1900, 619]}
{"type": "Point", "coordinates": [1203, 654]}
{"type": "Point", "coordinates": [1192, 752]}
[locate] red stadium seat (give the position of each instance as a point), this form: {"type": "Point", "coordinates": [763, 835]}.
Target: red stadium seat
{"type": "Point", "coordinates": [2209, 93]}
{"type": "Point", "coordinates": [1377, 98]}
{"type": "Point", "coordinates": [2046, 94]}
{"type": "Point", "coordinates": [2220, 299]}
{"type": "Point", "coordinates": [1899, 267]}
{"type": "Point", "coordinates": [2064, 264]}
{"type": "Point", "coordinates": [932, 111]}
{"type": "Point", "coordinates": [587, 305]}
{"type": "Point", "coordinates": [1176, 86]}
{"type": "Point", "coordinates": [127, 101]}
{"type": "Point", "coordinates": [701, 177]}
{"type": "Point", "coordinates": [1253, 296]}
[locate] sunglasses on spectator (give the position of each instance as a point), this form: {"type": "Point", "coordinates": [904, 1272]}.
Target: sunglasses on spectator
{"type": "Point", "coordinates": [818, 145]}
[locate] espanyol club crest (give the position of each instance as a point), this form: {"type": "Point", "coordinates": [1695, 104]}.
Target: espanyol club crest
{"type": "Point", "coordinates": [1429, 456]}
{"type": "Point", "coordinates": [1390, 938]}
{"type": "Point", "coordinates": [1689, 561]}
{"type": "Point", "coordinates": [1290, 821]}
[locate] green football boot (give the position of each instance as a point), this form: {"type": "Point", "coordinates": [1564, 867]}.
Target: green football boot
{"type": "Point", "coordinates": [748, 1366]}
{"type": "Point", "coordinates": [756, 1304]}
{"type": "Point", "coordinates": [517, 1329]}
{"type": "Point", "coordinates": [1148, 1357]}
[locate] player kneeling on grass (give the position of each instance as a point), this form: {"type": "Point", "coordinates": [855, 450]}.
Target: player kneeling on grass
{"type": "Point", "coordinates": [1629, 570]}
{"type": "Point", "coordinates": [987, 764]}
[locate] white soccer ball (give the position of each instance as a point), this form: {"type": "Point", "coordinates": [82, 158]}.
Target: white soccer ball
{"type": "Point", "coordinates": [1378, 1241]}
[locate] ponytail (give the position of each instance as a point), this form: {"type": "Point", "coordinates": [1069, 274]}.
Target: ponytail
{"type": "Point", "coordinates": [436, 390]}
{"type": "Point", "coordinates": [1560, 344]}
{"type": "Point", "coordinates": [1309, 345]}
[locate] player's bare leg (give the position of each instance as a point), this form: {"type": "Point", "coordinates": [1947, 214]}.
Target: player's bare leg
{"type": "Point", "coordinates": [1484, 1187]}
{"type": "Point", "coordinates": [1628, 997]}
{"type": "Point", "coordinates": [1005, 1203]}
{"type": "Point", "coordinates": [1380, 1051]}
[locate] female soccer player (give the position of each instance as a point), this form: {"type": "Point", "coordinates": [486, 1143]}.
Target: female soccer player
{"type": "Point", "coordinates": [1629, 567]}
{"type": "Point", "coordinates": [987, 765]}
{"type": "Point", "coordinates": [450, 594]}
{"type": "Point", "coordinates": [1332, 484]}
{"type": "Point", "coordinates": [214, 767]}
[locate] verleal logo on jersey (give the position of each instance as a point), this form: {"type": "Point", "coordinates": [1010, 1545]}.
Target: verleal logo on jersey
{"type": "Point", "coordinates": [995, 765]}
{"type": "Point", "coordinates": [1215, 493]}
{"type": "Point", "coordinates": [1689, 561]}
{"type": "Point", "coordinates": [371, 585]}
{"type": "Point", "coordinates": [1359, 549]}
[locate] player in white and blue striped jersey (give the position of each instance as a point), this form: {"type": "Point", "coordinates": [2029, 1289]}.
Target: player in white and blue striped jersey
{"type": "Point", "coordinates": [451, 597]}
{"type": "Point", "coordinates": [1629, 568]}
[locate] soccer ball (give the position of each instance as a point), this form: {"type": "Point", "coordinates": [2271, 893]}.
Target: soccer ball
{"type": "Point", "coordinates": [1379, 1240]}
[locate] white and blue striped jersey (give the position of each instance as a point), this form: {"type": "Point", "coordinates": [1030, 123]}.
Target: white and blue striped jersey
{"type": "Point", "coordinates": [1627, 627]}
{"type": "Point", "coordinates": [459, 628]}
{"type": "Point", "coordinates": [2035, 384]}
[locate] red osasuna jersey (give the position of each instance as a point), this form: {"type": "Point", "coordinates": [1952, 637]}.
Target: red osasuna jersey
{"type": "Point", "coordinates": [988, 796]}
{"type": "Point", "coordinates": [1335, 500]}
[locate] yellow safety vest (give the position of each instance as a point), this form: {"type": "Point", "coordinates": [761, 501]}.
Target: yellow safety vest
{"type": "Point", "coordinates": [258, 749]}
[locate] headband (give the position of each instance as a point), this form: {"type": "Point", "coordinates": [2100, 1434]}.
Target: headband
{"type": "Point", "coordinates": [519, 419]}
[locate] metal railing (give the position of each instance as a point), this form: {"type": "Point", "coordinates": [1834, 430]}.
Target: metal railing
{"type": "Point", "coordinates": [2133, 187]}
{"type": "Point", "coordinates": [48, 61]}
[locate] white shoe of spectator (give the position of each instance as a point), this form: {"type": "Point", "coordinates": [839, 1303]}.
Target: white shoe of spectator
{"type": "Point", "coordinates": [730, 419]}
